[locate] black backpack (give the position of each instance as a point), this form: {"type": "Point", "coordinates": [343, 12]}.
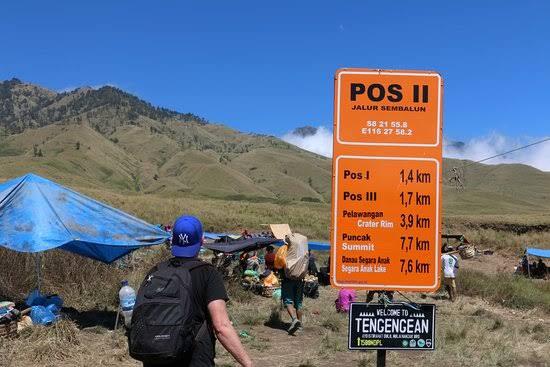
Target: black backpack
{"type": "Point", "coordinates": [311, 289]}
{"type": "Point", "coordinates": [164, 320]}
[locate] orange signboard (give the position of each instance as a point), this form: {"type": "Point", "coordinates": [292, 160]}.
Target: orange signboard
{"type": "Point", "coordinates": [386, 205]}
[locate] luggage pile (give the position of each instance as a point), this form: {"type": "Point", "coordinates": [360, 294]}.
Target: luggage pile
{"type": "Point", "coordinates": [311, 286]}
{"type": "Point", "coordinates": [12, 320]}
{"type": "Point", "coordinates": [42, 310]}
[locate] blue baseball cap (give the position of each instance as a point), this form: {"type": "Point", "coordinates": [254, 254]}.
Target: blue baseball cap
{"type": "Point", "coordinates": [186, 236]}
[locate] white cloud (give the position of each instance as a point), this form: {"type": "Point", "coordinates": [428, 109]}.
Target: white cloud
{"type": "Point", "coordinates": [320, 142]}
{"type": "Point", "coordinates": [483, 147]}
{"type": "Point", "coordinates": [474, 149]}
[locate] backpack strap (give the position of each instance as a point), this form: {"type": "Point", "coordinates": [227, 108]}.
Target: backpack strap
{"type": "Point", "coordinates": [189, 265]}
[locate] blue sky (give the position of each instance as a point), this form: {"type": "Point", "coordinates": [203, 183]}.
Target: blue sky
{"type": "Point", "coordinates": [267, 66]}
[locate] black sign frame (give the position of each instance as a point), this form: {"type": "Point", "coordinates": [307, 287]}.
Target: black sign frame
{"type": "Point", "coordinates": [425, 312]}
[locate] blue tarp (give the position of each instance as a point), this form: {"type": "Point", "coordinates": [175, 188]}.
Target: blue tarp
{"type": "Point", "coordinates": [213, 236]}
{"type": "Point", "coordinates": [538, 252]}
{"type": "Point", "coordinates": [316, 246]}
{"type": "Point", "coordinates": [38, 215]}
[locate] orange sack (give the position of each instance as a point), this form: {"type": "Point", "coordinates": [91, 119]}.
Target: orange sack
{"type": "Point", "coordinates": [280, 257]}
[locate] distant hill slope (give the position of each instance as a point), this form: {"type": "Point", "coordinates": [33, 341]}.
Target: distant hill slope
{"type": "Point", "coordinates": [109, 138]}
{"type": "Point", "coordinates": [496, 189]}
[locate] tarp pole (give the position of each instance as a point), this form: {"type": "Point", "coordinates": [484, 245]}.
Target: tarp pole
{"type": "Point", "coordinates": [38, 263]}
{"type": "Point", "coordinates": [528, 266]}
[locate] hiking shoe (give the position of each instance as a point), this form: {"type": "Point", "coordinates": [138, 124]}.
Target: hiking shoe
{"type": "Point", "coordinates": [294, 326]}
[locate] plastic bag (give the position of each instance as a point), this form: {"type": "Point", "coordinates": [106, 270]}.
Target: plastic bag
{"type": "Point", "coordinates": [250, 273]}
{"type": "Point", "coordinates": [35, 299]}
{"type": "Point", "coordinates": [41, 316]}
{"type": "Point", "coordinates": [271, 280]}
{"type": "Point", "coordinates": [276, 294]}
{"type": "Point", "coordinates": [54, 309]}
{"type": "Point", "coordinates": [54, 299]}
{"type": "Point", "coordinates": [280, 257]}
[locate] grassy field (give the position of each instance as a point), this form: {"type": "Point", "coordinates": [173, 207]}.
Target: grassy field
{"type": "Point", "coordinates": [479, 329]}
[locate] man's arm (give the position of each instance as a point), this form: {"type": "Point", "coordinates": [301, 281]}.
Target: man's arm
{"type": "Point", "coordinates": [226, 333]}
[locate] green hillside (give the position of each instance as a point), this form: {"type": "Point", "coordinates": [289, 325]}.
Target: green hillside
{"type": "Point", "coordinates": [503, 189]}
{"type": "Point", "coordinates": [111, 139]}
{"type": "Point", "coordinates": [107, 139]}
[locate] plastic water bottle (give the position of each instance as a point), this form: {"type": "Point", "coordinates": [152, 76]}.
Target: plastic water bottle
{"type": "Point", "coordinates": [127, 296]}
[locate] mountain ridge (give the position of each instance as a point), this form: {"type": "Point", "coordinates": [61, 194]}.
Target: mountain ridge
{"type": "Point", "coordinates": [169, 152]}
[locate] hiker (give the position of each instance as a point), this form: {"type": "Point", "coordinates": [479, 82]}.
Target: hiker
{"type": "Point", "coordinates": [243, 261]}
{"type": "Point", "coordinates": [292, 276]}
{"type": "Point", "coordinates": [206, 299]}
{"type": "Point", "coordinates": [245, 234]}
{"type": "Point", "coordinates": [449, 262]}
{"type": "Point", "coordinates": [541, 269]}
{"type": "Point", "coordinates": [269, 258]}
{"type": "Point", "coordinates": [312, 266]}
{"type": "Point", "coordinates": [525, 265]}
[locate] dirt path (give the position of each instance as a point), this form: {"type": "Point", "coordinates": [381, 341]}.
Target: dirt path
{"type": "Point", "coordinates": [469, 332]}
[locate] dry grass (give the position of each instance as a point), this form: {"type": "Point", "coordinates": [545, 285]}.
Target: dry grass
{"type": "Point", "coordinates": [40, 343]}
{"type": "Point", "coordinates": [311, 219]}
{"type": "Point", "coordinates": [502, 234]}
{"type": "Point", "coordinates": [83, 283]}
{"type": "Point", "coordinates": [506, 289]}
{"type": "Point", "coordinates": [468, 333]}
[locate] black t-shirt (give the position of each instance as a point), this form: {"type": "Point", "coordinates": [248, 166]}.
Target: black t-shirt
{"type": "Point", "coordinates": [208, 286]}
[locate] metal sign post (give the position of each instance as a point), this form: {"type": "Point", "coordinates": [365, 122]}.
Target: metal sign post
{"type": "Point", "coordinates": [381, 358]}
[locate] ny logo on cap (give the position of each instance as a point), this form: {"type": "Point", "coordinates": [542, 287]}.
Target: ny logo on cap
{"type": "Point", "coordinates": [184, 238]}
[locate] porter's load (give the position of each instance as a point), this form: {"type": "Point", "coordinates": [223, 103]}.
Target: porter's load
{"type": "Point", "coordinates": [297, 257]}
{"type": "Point", "coordinates": [467, 252]}
{"type": "Point", "coordinates": [127, 296]}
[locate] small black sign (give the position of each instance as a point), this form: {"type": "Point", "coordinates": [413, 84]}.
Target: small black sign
{"type": "Point", "coordinates": [393, 326]}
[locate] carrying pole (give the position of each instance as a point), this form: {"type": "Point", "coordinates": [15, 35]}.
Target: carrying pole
{"type": "Point", "coordinates": [380, 358]}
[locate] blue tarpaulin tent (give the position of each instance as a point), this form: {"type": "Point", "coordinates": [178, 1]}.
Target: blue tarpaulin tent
{"type": "Point", "coordinates": [538, 252]}
{"type": "Point", "coordinates": [38, 215]}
